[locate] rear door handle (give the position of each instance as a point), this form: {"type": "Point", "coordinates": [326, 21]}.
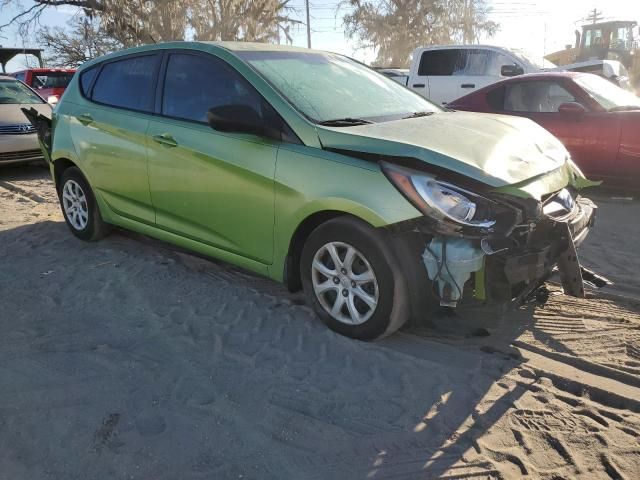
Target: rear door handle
{"type": "Point", "coordinates": [165, 140]}
{"type": "Point", "coordinates": [85, 118]}
{"type": "Point", "coordinates": [418, 85]}
{"type": "Point", "coordinates": [468, 85]}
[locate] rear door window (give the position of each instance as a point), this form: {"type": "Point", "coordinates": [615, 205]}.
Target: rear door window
{"type": "Point", "coordinates": [128, 83]}
{"type": "Point", "coordinates": [442, 62]}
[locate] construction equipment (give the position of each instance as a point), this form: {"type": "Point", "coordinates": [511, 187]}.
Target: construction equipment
{"type": "Point", "coordinates": [606, 40]}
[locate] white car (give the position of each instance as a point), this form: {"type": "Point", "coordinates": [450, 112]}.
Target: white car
{"type": "Point", "coordinates": [443, 73]}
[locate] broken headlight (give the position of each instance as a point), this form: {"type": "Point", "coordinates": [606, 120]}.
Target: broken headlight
{"type": "Point", "coordinates": [440, 200]}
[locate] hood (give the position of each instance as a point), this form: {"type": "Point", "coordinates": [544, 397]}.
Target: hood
{"type": "Point", "coordinates": [10, 114]}
{"type": "Point", "coordinates": [497, 150]}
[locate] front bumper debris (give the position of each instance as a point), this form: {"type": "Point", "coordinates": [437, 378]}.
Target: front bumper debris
{"type": "Point", "coordinates": [510, 270]}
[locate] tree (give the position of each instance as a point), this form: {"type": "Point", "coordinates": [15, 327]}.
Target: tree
{"type": "Point", "coordinates": [396, 27]}
{"type": "Point", "coordinates": [242, 20]}
{"type": "Point", "coordinates": [134, 22]}
{"type": "Point", "coordinates": [69, 49]}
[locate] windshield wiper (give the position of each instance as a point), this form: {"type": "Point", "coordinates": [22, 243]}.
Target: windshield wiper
{"type": "Point", "coordinates": [418, 114]}
{"type": "Point", "coordinates": [624, 108]}
{"type": "Point", "coordinates": [344, 122]}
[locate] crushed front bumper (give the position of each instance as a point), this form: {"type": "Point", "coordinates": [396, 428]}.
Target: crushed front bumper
{"type": "Point", "coordinates": [514, 273]}
{"type": "Point", "coordinates": [512, 269]}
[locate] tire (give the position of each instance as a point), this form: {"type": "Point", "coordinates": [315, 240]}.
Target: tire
{"type": "Point", "coordinates": [79, 206]}
{"type": "Point", "coordinates": [349, 287]}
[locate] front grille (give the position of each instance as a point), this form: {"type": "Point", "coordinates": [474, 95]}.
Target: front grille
{"type": "Point", "coordinates": [34, 154]}
{"type": "Point", "coordinates": [17, 129]}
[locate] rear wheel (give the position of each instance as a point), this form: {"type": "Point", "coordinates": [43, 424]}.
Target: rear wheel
{"type": "Point", "coordinates": [79, 206]}
{"type": "Point", "coordinates": [352, 279]}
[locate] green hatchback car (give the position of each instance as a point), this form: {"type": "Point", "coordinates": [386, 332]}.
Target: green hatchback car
{"type": "Point", "coordinates": [314, 170]}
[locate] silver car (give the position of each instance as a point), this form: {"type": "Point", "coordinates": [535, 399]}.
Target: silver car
{"type": "Point", "coordinates": [18, 139]}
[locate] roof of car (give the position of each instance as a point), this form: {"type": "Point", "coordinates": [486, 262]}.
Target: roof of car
{"type": "Point", "coordinates": [6, 77]}
{"type": "Point", "coordinates": [464, 45]}
{"type": "Point", "coordinates": [45, 70]}
{"type": "Point", "coordinates": [229, 46]}
{"type": "Point", "coordinates": [259, 47]}
{"type": "Point", "coordinates": [547, 74]}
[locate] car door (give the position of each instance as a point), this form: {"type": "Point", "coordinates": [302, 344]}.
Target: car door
{"type": "Point", "coordinates": [434, 79]}
{"type": "Point", "coordinates": [628, 165]}
{"type": "Point", "coordinates": [587, 136]}
{"type": "Point", "coordinates": [210, 186]}
{"type": "Point", "coordinates": [472, 70]}
{"type": "Point", "coordinates": [109, 127]}
{"type": "Point", "coordinates": [481, 67]}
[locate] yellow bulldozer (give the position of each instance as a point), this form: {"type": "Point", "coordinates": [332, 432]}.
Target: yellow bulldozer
{"type": "Point", "coordinates": [609, 40]}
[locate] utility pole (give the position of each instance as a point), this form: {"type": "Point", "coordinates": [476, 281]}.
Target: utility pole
{"type": "Point", "coordinates": [595, 16]}
{"type": "Point", "coordinates": [306, 4]}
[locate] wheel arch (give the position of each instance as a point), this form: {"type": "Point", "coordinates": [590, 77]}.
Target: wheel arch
{"type": "Point", "coordinates": [59, 166]}
{"type": "Point", "coordinates": [291, 272]}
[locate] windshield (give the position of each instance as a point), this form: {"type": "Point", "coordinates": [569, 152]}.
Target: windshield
{"type": "Point", "coordinates": [14, 92]}
{"type": "Point", "coordinates": [606, 93]}
{"type": "Point", "coordinates": [52, 80]}
{"type": "Point", "coordinates": [326, 86]}
{"type": "Point", "coordinates": [531, 62]}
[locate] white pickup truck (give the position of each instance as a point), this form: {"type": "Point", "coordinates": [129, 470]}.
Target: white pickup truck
{"type": "Point", "coordinates": [443, 73]}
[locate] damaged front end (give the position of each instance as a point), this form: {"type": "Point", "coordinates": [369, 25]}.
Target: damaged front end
{"type": "Point", "coordinates": [494, 246]}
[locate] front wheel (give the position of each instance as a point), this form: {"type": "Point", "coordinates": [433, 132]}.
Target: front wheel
{"type": "Point", "coordinates": [79, 206]}
{"type": "Point", "coordinates": [352, 279]}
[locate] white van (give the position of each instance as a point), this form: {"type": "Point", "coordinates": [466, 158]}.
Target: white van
{"type": "Point", "coordinates": [443, 73]}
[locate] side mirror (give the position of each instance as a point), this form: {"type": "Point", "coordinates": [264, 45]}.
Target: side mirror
{"type": "Point", "coordinates": [239, 119]}
{"type": "Point", "coordinates": [572, 109]}
{"type": "Point", "coordinates": [511, 70]}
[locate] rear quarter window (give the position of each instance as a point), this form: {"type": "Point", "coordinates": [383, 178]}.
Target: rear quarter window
{"type": "Point", "coordinates": [86, 79]}
{"type": "Point", "coordinates": [128, 83]}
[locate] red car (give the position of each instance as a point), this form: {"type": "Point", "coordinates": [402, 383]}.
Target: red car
{"type": "Point", "coordinates": [598, 122]}
{"type": "Point", "coordinates": [50, 83]}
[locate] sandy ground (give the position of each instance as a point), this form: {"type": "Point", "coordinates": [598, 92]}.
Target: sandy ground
{"type": "Point", "coordinates": [128, 359]}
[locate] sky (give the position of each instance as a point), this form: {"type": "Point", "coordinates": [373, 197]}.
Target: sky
{"type": "Point", "coordinates": [538, 27]}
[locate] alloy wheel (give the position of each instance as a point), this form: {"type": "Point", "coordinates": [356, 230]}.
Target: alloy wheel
{"type": "Point", "coordinates": [74, 203]}
{"type": "Point", "coordinates": [344, 283]}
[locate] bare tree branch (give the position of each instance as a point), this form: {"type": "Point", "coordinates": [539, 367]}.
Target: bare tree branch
{"type": "Point", "coordinates": [396, 27]}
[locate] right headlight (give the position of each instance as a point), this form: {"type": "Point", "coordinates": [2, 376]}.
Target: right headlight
{"type": "Point", "coordinates": [441, 200]}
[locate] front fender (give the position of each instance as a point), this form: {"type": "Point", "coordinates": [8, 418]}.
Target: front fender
{"type": "Point", "coordinates": [311, 181]}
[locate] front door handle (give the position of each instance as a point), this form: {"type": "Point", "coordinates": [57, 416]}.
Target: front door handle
{"type": "Point", "coordinates": [468, 85]}
{"type": "Point", "coordinates": [165, 140]}
{"type": "Point", "coordinates": [85, 118]}
{"type": "Point", "coordinates": [418, 85]}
